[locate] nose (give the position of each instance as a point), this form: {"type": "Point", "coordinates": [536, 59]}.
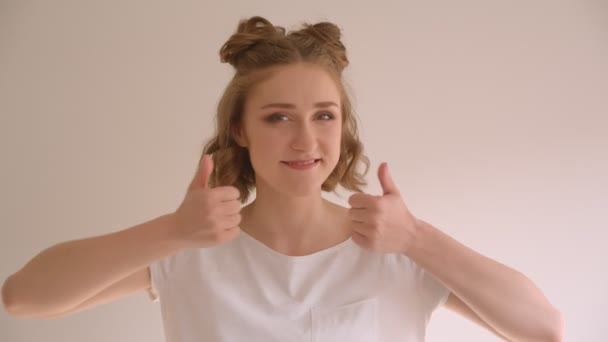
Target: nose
{"type": "Point", "coordinates": [304, 137]}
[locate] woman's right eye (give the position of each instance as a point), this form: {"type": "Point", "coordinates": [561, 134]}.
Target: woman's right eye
{"type": "Point", "coordinates": [276, 117]}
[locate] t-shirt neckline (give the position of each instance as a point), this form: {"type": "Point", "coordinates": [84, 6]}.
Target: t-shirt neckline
{"type": "Point", "coordinates": [262, 246]}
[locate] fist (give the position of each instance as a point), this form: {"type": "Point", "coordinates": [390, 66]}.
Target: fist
{"type": "Point", "coordinates": [207, 216]}
{"type": "Point", "coordinates": [382, 223]}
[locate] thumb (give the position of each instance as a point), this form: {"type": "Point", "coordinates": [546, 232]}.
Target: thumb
{"type": "Point", "coordinates": [386, 181]}
{"type": "Point", "coordinates": [203, 172]}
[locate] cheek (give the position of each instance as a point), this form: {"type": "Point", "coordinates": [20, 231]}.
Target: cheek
{"type": "Point", "coordinates": [334, 136]}
{"type": "Point", "coordinates": [266, 141]}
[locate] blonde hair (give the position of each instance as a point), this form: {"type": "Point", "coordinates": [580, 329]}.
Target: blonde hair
{"type": "Point", "coordinates": [256, 46]}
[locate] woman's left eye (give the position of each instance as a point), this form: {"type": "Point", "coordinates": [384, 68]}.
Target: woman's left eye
{"type": "Point", "coordinates": [329, 116]}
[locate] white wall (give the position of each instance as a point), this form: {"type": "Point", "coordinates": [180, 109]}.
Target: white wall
{"type": "Point", "coordinates": [492, 116]}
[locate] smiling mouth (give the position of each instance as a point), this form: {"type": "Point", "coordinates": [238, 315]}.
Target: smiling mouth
{"type": "Point", "coordinates": [300, 162]}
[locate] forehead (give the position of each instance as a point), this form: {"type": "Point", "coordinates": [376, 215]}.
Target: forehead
{"type": "Point", "coordinates": [300, 84]}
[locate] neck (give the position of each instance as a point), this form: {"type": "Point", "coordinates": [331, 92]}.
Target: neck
{"type": "Point", "coordinates": [294, 225]}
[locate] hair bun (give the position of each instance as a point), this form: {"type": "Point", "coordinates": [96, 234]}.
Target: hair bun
{"type": "Point", "coordinates": [328, 35]}
{"type": "Point", "coordinates": [249, 33]}
{"type": "Point", "coordinates": [325, 32]}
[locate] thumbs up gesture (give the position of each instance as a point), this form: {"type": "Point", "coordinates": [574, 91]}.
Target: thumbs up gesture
{"type": "Point", "coordinates": [382, 223]}
{"type": "Point", "coordinates": [207, 216]}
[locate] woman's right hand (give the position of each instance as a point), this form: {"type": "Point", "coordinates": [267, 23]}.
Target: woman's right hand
{"type": "Point", "coordinates": [207, 216]}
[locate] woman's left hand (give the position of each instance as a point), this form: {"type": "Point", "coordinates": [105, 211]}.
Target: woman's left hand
{"type": "Point", "coordinates": [382, 223]}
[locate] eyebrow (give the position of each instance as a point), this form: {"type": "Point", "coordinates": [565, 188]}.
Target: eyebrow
{"type": "Point", "coordinates": [323, 104]}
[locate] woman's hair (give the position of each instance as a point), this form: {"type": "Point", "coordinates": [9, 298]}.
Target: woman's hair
{"type": "Point", "coordinates": [256, 46]}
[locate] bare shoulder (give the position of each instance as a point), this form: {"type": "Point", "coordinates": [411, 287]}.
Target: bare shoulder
{"type": "Point", "coordinates": [338, 219]}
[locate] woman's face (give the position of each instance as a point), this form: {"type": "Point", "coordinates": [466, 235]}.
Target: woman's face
{"type": "Point", "coordinates": [293, 116]}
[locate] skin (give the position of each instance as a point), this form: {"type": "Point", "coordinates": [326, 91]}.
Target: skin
{"type": "Point", "coordinates": [301, 220]}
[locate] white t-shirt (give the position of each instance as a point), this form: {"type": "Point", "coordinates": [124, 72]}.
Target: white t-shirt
{"type": "Point", "coordinates": [245, 291]}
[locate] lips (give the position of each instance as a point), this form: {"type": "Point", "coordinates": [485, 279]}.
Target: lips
{"type": "Point", "coordinates": [300, 162]}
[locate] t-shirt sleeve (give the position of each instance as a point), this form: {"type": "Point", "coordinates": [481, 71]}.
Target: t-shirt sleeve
{"type": "Point", "coordinates": [435, 294]}
{"type": "Point", "coordinates": [158, 274]}
{"type": "Point", "coordinates": [429, 293]}
{"type": "Point", "coordinates": [153, 290]}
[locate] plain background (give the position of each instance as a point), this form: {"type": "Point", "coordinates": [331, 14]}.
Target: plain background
{"type": "Point", "coordinates": [492, 117]}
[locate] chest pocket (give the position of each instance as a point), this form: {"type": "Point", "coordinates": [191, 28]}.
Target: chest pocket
{"type": "Point", "coordinates": [354, 322]}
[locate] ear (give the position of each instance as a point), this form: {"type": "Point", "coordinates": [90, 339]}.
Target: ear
{"type": "Point", "coordinates": [239, 136]}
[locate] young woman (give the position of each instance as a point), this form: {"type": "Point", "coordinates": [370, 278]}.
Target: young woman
{"type": "Point", "coordinates": [291, 265]}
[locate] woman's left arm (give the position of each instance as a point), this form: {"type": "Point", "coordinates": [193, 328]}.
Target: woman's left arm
{"type": "Point", "coordinates": [502, 297]}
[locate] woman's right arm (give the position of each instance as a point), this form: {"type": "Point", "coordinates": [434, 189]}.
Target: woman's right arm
{"type": "Point", "coordinates": [67, 274]}
{"type": "Point", "coordinates": [77, 274]}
